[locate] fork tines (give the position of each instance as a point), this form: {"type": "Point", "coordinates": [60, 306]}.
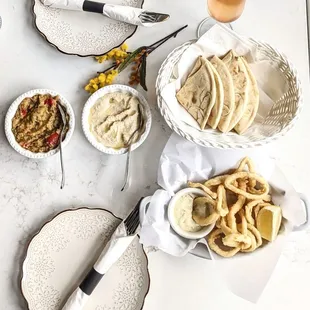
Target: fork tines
{"type": "Point", "coordinates": [152, 17]}
{"type": "Point", "coordinates": [132, 221]}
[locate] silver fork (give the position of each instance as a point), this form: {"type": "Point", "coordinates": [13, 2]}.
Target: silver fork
{"type": "Point", "coordinates": [133, 219]}
{"type": "Point", "coordinates": [152, 17]}
{"type": "Point", "coordinates": [64, 122]}
{"type": "Point", "coordinates": [141, 124]}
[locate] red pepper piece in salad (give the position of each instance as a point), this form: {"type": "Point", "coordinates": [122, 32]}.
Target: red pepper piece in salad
{"type": "Point", "coordinates": [49, 101]}
{"type": "Point", "coordinates": [52, 140]}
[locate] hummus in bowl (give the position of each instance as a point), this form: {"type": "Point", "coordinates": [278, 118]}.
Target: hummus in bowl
{"type": "Point", "coordinates": [33, 123]}
{"type": "Point", "coordinates": [116, 117]}
{"type": "Point", "coordinates": [180, 211]}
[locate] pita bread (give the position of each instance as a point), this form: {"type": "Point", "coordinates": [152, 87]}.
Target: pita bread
{"type": "Point", "coordinates": [241, 82]}
{"type": "Point", "coordinates": [252, 107]}
{"type": "Point", "coordinates": [229, 96]}
{"type": "Point", "coordinates": [216, 112]}
{"type": "Point", "coordinates": [198, 94]}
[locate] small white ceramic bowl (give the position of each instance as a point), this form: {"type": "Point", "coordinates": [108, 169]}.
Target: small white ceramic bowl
{"type": "Point", "coordinates": [11, 113]}
{"type": "Point", "coordinates": [93, 99]}
{"type": "Point", "coordinates": [188, 235]}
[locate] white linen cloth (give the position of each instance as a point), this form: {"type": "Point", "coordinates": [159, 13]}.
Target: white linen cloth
{"type": "Point", "coordinates": [245, 274]}
{"type": "Point", "coordinates": [115, 248]}
{"type": "Point", "coordinates": [125, 14]}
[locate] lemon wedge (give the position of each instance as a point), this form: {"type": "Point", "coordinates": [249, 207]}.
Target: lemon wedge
{"type": "Point", "coordinates": [269, 221]}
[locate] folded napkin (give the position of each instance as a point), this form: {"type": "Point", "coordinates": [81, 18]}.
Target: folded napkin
{"type": "Point", "coordinates": [125, 14]}
{"type": "Point", "coordinates": [115, 248]}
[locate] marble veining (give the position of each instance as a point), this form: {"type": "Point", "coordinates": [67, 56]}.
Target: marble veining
{"type": "Point", "coordinates": [29, 189]}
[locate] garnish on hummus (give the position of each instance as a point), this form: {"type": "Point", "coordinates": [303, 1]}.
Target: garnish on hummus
{"type": "Point", "coordinates": [114, 118]}
{"type": "Point", "coordinates": [37, 123]}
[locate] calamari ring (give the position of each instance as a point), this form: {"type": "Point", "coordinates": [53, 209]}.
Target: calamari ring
{"type": "Point", "coordinates": [267, 198]}
{"type": "Point", "coordinates": [223, 225]}
{"type": "Point", "coordinates": [204, 188]}
{"type": "Point", "coordinates": [231, 219]}
{"type": "Point", "coordinates": [248, 210]}
{"type": "Point", "coordinates": [237, 240]}
{"type": "Point", "coordinates": [244, 224]}
{"type": "Point", "coordinates": [216, 181]}
{"type": "Point", "coordinates": [257, 235]}
{"type": "Point", "coordinates": [199, 207]}
{"type": "Point", "coordinates": [251, 176]}
{"type": "Point", "coordinates": [221, 205]}
{"type": "Point", "coordinates": [253, 246]}
{"type": "Point", "coordinates": [249, 163]}
{"type": "Point", "coordinates": [255, 191]}
{"type": "Point", "coordinates": [246, 162]}
{"type": "Point", "coordinates": [213, 246]}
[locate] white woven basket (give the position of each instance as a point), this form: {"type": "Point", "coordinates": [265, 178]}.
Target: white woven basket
{"type": "Point", "coordinates": [279, 121]}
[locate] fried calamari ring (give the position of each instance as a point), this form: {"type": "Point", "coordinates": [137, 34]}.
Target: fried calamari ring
{"type": "Point", "coordinates": [203, 211]}
{"type": "Point", "coordinates": [247, 175]}
{"type": "Point", "coordinates": [257, 235]}
{"type": "Point", "coordinates": [253, 246]}
{"type": "Point", "coordinates": [249, 163]}
{"type": "Point", "coordinates": [246, 162]}
{"type": "Point", "coordinates": [237, 240]}
{"type": "Point", "coordinates": [231, 219]}
{"type": "Point", "coordinates": [216, 234]}
{"type": "Point", "coordinates": [248, 210]}
{"type": "Point", "coordinates": [243, 227]}
{"type": "Point", "coordinates": [223, 225]}
{"type": "Point", "coordinates": [204, 188]}
{"type": "Point", "coordinates": [221, 205]}
{"type": "Point", "coordinates": [267, 198]}
{"type": "Point", "coordinates": [216, 181]}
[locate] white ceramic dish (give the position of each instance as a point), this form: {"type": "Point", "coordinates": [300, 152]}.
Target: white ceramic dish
{"type": "Point", "coordinates": [93, 99]}
{"type": "Point", "coordinates": [12, 110]}
{"type": "Point", "coordinates": [82, 33]}
{"type": "Point", "coordinates": [188, 235]}
{"type": "Point", "coordinates": [60, 255]}
{"type": "Point", "coordinates": [281, 118]}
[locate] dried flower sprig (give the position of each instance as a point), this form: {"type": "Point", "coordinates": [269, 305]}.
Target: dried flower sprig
{"type": "Point", "coordinates": [122, 59]}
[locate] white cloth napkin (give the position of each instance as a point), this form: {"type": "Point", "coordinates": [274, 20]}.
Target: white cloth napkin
{"type": "Point", "coordinates": [218, 41]}
{"type": "Point", "coordinates": [125, 14]}
{"type": "Point", "coordinates": [115, 248]}
{"type": "Point", "coordinates": [181, 160]}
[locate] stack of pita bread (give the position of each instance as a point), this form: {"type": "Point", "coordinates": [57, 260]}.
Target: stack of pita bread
{"type": "Point", "coordinates": [221, 93]}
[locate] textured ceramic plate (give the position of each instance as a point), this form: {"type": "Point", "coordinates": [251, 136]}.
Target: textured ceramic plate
{"type": "Point", "coordinates": [82, 33]}
{"type": "Point", "coordinates": [59, 256]}
{"type": "Point", "coordinates": [100, 93]}
{"type": "Point", "coordinates": [11, 113]}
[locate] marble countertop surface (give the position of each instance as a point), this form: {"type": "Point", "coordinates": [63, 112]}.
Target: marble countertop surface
{"type": "Point", "coordinates": [29, 190]}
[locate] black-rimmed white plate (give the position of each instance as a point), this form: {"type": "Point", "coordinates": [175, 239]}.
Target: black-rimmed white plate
{"type": "Point", "coordinates": [82, 33]}
{"type": "Point", "coordinates": [60, 255]}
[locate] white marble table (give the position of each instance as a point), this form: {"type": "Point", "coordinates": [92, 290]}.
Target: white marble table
{"type": "Point", "coordinates": [29, 190]}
